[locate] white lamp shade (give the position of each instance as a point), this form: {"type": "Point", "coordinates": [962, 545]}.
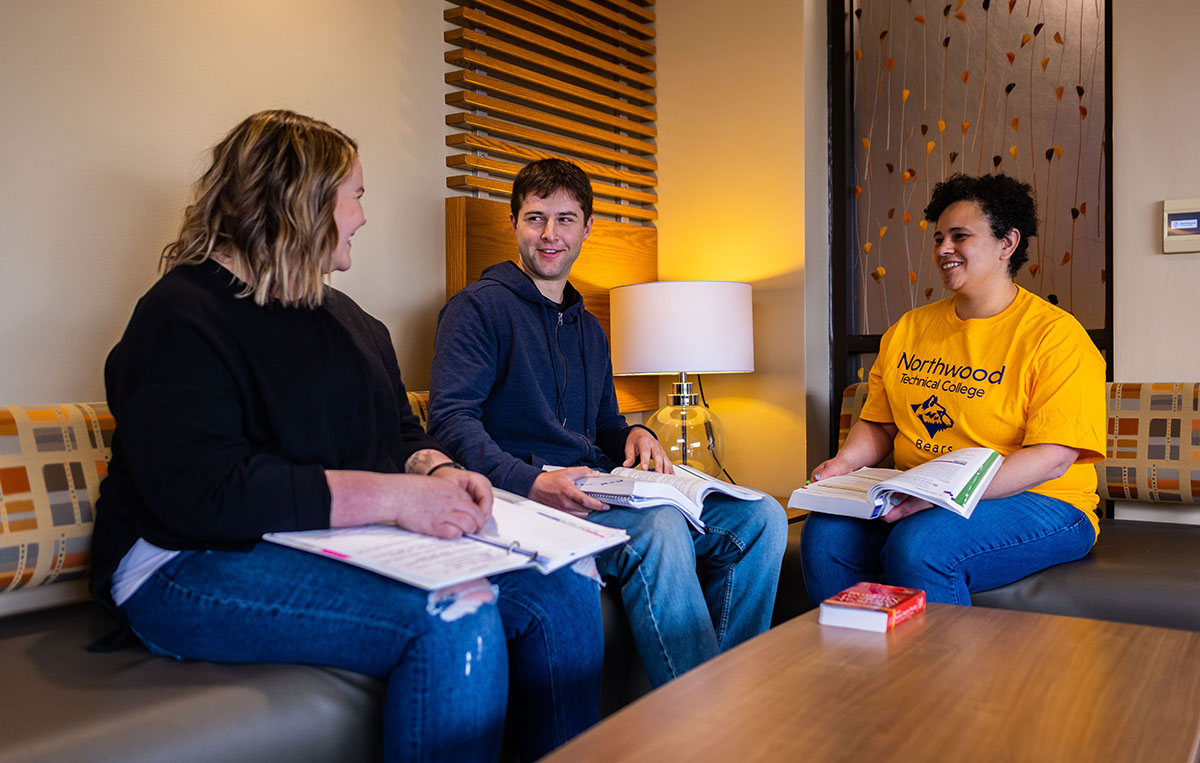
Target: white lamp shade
{"type": "Point", "coordinates": [668, 327]}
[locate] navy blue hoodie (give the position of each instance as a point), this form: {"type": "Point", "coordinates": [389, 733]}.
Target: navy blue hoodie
{"type": "Point", "coordinates": [519, 381]}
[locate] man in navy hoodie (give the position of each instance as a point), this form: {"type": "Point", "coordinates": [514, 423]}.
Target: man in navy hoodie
{"type": "Point", "coordinates": [522, 379]}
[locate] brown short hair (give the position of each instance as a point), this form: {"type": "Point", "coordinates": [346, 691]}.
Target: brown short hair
{"type": "Point", "coordinates": [545, 176]}
{"type": "Point", "coordinates": [267, 201]}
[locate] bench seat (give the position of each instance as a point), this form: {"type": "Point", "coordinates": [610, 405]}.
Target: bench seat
{"type": "Point", "coordinates": [64, 703]}
{"type": "Point", "coordinates": [1145, 573]}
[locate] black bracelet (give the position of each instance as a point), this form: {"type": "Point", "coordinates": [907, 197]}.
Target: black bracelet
{"type": "Point", "coordinates": [451, 464]}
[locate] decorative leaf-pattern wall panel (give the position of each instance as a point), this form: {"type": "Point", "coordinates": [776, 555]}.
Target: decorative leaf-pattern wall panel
{"type": "Point", "coordinates": [977, 86]}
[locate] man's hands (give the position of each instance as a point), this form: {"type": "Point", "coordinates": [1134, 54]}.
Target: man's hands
{"type": "Point", "coordinates": [558, 490]}
{"type": "Point", "coordinates": [641, 447]}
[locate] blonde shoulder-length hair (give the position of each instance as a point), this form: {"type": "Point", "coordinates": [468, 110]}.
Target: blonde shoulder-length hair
{"type": "Point", "coordinates": [266, 207]}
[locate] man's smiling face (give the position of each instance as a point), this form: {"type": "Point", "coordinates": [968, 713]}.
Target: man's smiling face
{"type": "Point", "coordinates": [550, 234]}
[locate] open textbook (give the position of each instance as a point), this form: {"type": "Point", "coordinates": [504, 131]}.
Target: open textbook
{"type": "Point", "coordinates": [685, 490]}
{"type": "Point", "coordinates": [520, 534]}
{"type": "Point", "coordinates": [954, 481]}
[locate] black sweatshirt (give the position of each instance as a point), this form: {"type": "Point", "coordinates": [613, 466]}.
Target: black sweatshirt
{"type": "Point", "coordinates": [228, 413]}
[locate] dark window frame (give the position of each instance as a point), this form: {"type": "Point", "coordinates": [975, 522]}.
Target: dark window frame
{"type": "Point", "coordinates": [844, 346]}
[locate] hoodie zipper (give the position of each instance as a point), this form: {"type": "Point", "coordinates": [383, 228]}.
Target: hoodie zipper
{"type": "Point", "coordinates": [562, 392]}
{"type": "Point", "coordinates": [561, 402]}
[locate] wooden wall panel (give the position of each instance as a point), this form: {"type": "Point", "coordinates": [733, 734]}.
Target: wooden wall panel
{"type": "Point", "coordinates": [570, 78]}
{"type": "Point", "coordinates": [555, 78]}
{"type": "Point", "coordinates": [608, 53]}
{"type": "Point", "coordinates": [544, 102]}
{"type": "Point", "coordinates": [471, 60]}
{"type": "Point", "coordinates": [484, 146]}
{"type": "Point", "coordinates": [564, 145]}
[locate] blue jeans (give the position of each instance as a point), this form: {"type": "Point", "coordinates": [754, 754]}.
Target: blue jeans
{"type": "Point", "coordinates": [449, 673]}
{"type": "Point", "coordinates": [941, 553]}
{"type": "Point", "coordinates": [676, 623]}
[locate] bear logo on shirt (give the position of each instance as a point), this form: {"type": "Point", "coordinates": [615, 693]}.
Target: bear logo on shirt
{"type": "Point", "coordinates": [933, 415]}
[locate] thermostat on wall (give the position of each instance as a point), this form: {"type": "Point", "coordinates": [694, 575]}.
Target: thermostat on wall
{"type": "Point", "coordinates": [1181, 226]}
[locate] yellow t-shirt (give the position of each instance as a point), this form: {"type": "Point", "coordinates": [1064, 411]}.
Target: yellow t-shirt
{"type": "Point", "coordinates": [1027, 376]}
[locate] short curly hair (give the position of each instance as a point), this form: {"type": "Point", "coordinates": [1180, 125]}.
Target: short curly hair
{"type": "Point", "coordinates": [1006, 202]}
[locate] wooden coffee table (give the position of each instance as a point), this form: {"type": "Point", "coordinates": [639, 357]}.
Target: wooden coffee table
{"type": "Point", "coordinates": [953, 684]}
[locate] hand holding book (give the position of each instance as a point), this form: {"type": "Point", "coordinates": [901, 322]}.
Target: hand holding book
{"type": "Point", "coordinates": [685, 490]}
{"type": "Point", "coordinates": [559, 489]}
{"type": "Point", "coordinates": [519, 534]}
{"type": "Point", "coordinates": [954, 481]}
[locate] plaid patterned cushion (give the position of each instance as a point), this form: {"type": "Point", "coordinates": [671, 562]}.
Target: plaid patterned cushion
{"type": "Point", "coordinates": [52, 459]}
{"type": "Point", "coordinates": [1153, 450]}
{"type": "Point", "coordinates": [854, 398]}
{"type": "Point", "coordinates": [420, 405]}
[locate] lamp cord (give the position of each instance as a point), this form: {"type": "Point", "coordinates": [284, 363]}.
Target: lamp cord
{"type": "Point", "coordinates": [712, 443]}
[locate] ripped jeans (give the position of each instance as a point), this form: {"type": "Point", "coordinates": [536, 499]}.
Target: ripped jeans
{"type": "Point", "coordinates": [448, 667]}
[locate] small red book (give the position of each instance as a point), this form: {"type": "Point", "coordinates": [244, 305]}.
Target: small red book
{"type": "Point", "coordinates": [872, 607]}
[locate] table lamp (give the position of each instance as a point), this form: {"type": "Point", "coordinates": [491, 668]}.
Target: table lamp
{"type": "Point", "coordinates": [684, 327]}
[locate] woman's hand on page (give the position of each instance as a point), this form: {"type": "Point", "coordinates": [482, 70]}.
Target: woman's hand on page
{"type": "Point", "coordinates": [558, 490]}
{"type": "Point", "coordinates": [475, 484]}
{"type": "Point", "coordinates": [427, 505]}
{"type": "Point", "coordinates": [905, 506]}
{"type": "Point", "coordinates": [831, 468]}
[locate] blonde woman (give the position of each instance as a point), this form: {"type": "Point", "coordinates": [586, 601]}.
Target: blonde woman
{"type": "Point", "coordinates": [251, 397]}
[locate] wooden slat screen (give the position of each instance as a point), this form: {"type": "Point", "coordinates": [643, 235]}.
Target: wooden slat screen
{"type": "Point", "coordinates": [569, 78]}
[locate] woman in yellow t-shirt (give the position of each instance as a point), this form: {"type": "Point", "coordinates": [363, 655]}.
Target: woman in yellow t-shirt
{"type": "Point", "coordinates": [991, 365]}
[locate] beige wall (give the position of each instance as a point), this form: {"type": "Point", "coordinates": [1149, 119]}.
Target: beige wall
{"type": "Point", "coordinates": [729, 132]}
{"type": "Point", "coordinates": [108, 111]}
{"type": "Point", "coordinates": [732, 164]}
{"type": "Point", "coordinates": [1156, 156]}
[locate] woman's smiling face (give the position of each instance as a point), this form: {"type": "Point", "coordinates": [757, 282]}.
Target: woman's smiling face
{"type": "Point", "coordinates": [971, 260]}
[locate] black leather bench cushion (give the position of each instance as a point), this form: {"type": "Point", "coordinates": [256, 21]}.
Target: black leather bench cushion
{"type": "Point", "coordinates": [62, 703]}
{"type": "Point", "coordinates": [791, 600]}
{"type": "Point", "coordinates": [1147, 573]}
